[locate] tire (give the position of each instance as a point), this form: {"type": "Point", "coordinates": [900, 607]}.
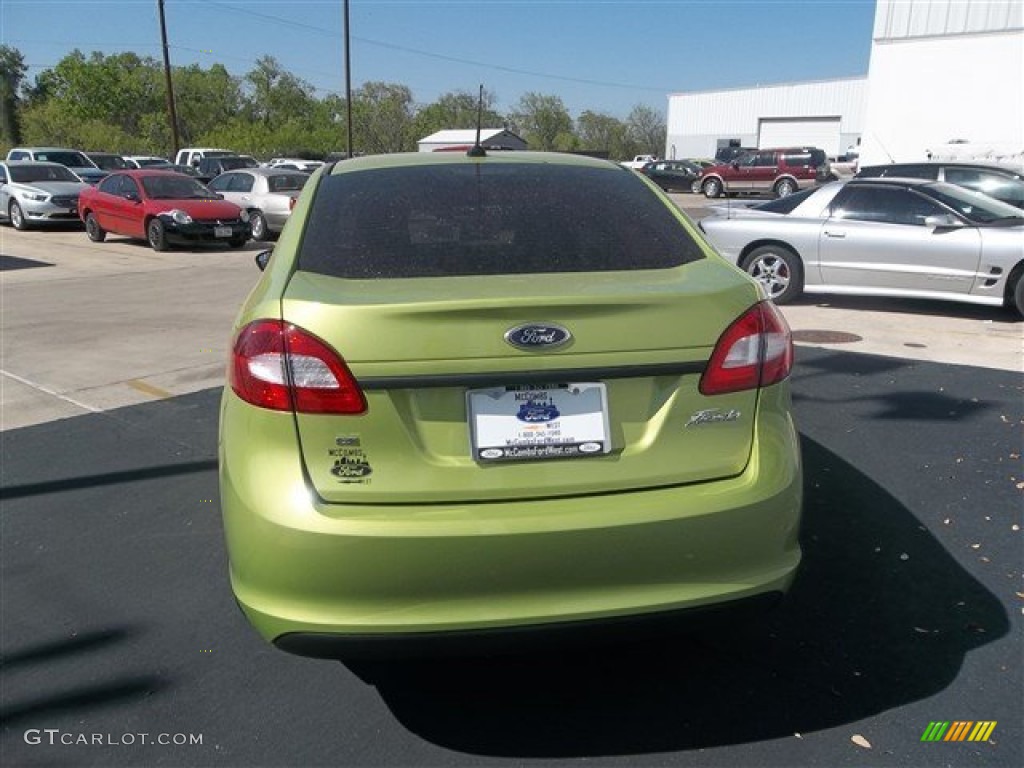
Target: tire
{"type": "Point", "coordinates": [258, 222]}
{"type": "Point", "coordinates": [778, 270]}
{"type": "Point", "coordinates": [17, 217]}
{"type": "Point", "coordinates": [785, 187]}
{"type": "Point", "coordinates": [156, 235]}
{"type": "Point", "coordinates": [93, 229]}
{"type": "Point", "coordinates": [712, 188]}
{"type": "Point", "coordinates": [1018, 295]}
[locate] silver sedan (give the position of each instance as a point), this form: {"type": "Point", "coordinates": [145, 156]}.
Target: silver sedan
{"type": "Point", "coordinates": [879, 237]}
{"type": "Point", "coordinates": [268, 194]}
{"type": "Point", "coordinates": [33, 193]}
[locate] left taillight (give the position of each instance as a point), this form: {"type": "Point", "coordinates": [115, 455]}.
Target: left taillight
{"type": "Point", "coordinates": [279, 366]}
{"type": "Point", "coordinates": [755, 351]}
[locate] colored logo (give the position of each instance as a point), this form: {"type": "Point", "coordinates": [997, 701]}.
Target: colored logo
{"type": "Point", "coordinates": [532, 412]}
{"type": "Point", "coordinates": [959, 730]}
{"type": "Point", "coordinates": [536, 336]}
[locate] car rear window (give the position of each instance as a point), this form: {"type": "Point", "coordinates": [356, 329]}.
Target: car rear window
{"type": "Point", "coordinates": [489, 219]}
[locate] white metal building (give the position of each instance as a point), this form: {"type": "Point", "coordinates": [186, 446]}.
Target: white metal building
{"type": "Point", "coordinates": [941, 71]}
{"type": "Point", "coordinates": [946, 71]}
{"type": "Point", "coordinates": [825, 114]}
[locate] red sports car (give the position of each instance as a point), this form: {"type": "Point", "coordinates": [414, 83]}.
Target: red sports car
{"type": "Point", "coordinates": [162, 207]}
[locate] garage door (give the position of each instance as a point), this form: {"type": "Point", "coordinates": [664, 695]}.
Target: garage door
{"type": "Point", "coordinates": [820, 132]}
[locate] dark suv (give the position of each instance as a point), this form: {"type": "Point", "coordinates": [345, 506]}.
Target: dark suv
{"type": "Point", "coordinates": [1006, 184]}
{"type": "Point", "coordinates": [778, 171]}
{"type": "Point", "coordinates": [211, 167]}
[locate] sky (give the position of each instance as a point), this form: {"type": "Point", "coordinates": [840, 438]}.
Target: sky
{"type": "Point", "coordinates": [600, 55]}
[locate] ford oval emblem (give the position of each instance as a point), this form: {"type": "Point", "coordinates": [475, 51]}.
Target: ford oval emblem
{"type": "Point", "coordinates": [538, 336]}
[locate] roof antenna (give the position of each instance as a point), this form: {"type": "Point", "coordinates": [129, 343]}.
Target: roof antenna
{"type": "Point", "coordinates": [477, 150]}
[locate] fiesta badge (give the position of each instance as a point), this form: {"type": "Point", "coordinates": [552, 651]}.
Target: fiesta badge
{"type": "Point", "coordinates": [538, 336]}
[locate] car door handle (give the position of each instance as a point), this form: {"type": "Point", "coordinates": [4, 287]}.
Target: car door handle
{"type": "Point", "coordinates": [838, 235]}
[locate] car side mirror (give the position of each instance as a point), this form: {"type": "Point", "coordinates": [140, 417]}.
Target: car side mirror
{"type": "Point", "coordinates": [735, 165]}
{"type": "Point", "coordinates": [131, 196]}
{"type": "Point", "coordinates": [262, 259]}
{"type": "Point", "coordinates": [943, 221]}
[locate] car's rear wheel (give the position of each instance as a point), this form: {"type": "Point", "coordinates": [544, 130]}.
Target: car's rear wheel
{"type": "Point", "coordinates": [1018, 294]}
{"type": "Point", "coordinates": [785, 187]}
{"type": "Point", "coordinates": [778, 269]}
{"type": "Point", "coordinates": [17, 216]}
{"type": "Point", "coordinates": [712, 188]}
{"type": "Point", "coordinates": [156, 235]}
{"type": "Point", "coordinates": [93, 229]}
{"type": "Point", "coordinates": [258, 223]}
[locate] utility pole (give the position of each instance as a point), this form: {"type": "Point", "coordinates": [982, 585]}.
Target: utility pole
{"type": "Point", "coordinates": [348, 82]}
{"type": "Point", "coordinates": [171, 112]}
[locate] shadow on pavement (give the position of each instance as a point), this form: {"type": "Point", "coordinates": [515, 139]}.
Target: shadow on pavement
{"type": "Point", "coordinates": [881, 615]}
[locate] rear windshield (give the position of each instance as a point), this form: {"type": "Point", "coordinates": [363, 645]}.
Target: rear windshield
{"type": "Point", "coordinates": [287, 182]}
{"type": "Point", "coordinates": [788, 203]}
{"type": "Point", "coordinates": [481, 219]}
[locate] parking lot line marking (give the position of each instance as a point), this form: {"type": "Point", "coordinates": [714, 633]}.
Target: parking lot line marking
{"type": "Point", "coordinates": [50, 392]}
{"type": "Point", "coordinates": [149, 389]}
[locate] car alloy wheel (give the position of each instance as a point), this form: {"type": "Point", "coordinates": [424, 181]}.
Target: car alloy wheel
{"type": "Point", "coordinates": [258, 224]}
{"type": "Point", "coordinates": [712, 188]}
{"type": "Point", "coordinates": [93, 229]}
{"type": "Point", "coordinates": [778, 269]}
{"type": "Point", "coordinates": [156, 235]}
{"type": "Point", "coordinates": [17, 217]}
{"type": "Point", "coordinates": [785, 188]}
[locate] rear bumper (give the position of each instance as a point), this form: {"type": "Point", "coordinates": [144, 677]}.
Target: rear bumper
{"type": "Point", "coordinates": [318, 578]}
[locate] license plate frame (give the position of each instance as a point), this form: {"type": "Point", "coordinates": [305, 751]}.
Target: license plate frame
{"type": "Point", "coordinates": [220, 231]}
{"type": "Point", "coordinates": [538, 421]}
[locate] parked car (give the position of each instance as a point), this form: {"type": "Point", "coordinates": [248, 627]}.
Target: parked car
{"type": "Point", "coordinates": [211, 167]}
{"type": "Point", "coordinates": [296, 164]}
{"type": "Point", "coordinates": [34, 193]}
{"type": "Point", "coordinates": [77, 161]}
{"type": "Point", "coordinates": [1001, 182]}
{"type": "Point", "coordinates": [162, 207]}
{"type": "Point", "coordinates": [108, 161]}
{"type": "Point", "coordinates": [880, 237]}
{"type": "Point", "coordinates": [268, 194]}
{"type": "Point", "coordinates": [777, 171]}
{"type": "Point", "coordinates": [147, 161]}
{"type": "Point", "coordinates": [476, 397]}
{"type": "Point", "coordinates": [192, 155]}
{"type": "Point", "coordinates": [672, 174]}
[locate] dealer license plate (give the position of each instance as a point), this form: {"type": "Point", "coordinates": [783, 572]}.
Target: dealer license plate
{"type": "Point", "coordinates": [222, 231]}
{"type": "Point", "coordinates": [544, 421]}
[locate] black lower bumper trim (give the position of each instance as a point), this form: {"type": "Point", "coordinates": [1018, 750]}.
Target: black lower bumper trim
{"type": "Point", "coordinates": [522, 639]}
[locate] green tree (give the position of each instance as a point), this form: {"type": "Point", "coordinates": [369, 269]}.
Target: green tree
{"type": "Point", "coordinates": [382, 117]}
{"type": "Point", "coordinates": [648, 129]}
{"type": "Point", "coordinates": [543, 120]}
{"type": "Point", "coordinates": [601, 132]}
{"type": "Point", "coordinates": [275, 96]}
{"type": "Point", "coordinates": [206, 100]}
{"type": "Point", "coordinates": [457, 109]}
{"type": "Point", "coordinates": [12, 73]}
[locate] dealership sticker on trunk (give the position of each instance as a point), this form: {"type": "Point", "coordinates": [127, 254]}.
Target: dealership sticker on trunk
{"type": "Point", "coordinates": [542, 421]}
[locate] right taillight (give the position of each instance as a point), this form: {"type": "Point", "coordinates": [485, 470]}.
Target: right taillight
{"type": "Point", "coordinates": [755, 351]}
{"type": "Point", "coordinates": [280, 366]}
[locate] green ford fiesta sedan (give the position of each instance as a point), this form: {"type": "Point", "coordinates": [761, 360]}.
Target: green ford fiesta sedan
{"type": "Point", "coordinates": [510, 395]}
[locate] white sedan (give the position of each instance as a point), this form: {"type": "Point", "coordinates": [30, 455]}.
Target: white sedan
{"type": "Point", "coordinates": [879, 237]}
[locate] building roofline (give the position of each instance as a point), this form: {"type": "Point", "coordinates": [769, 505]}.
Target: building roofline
{"type": "Point", "coordinates": [852, 78]}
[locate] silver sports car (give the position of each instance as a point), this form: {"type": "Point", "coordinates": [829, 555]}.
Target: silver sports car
{"type": "Point", "coordinates": [879, 237]}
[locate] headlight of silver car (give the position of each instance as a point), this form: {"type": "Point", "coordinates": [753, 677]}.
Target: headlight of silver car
{"type": "Point", "coordinates": [36, 196]}
{"type": "Point", "coordinates": [180, 217]}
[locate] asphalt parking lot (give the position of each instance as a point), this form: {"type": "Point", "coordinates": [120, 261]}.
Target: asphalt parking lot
{"type": "Point", "coordinates": [118, 620]}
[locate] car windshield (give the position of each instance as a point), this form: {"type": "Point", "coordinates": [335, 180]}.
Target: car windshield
{"type": "Point", "coordinates": [152, 162]}
{"type": "Point", "coordinates": [975, 206]}
{"type": "Point", "coordinates": [288, 182]}
{"type": "Point", "coordinates": [174, 187]}
{"type": "Point", "coordinates": [110, 162]}
{"type": "Point", "coordinates": [231, 163]}
{"type": "Point", "coordinates": [489, 219]}
{"type": "Point", "coordinates": [70, 159]}
{"type": "Point", "coordinates": [26, 174]}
